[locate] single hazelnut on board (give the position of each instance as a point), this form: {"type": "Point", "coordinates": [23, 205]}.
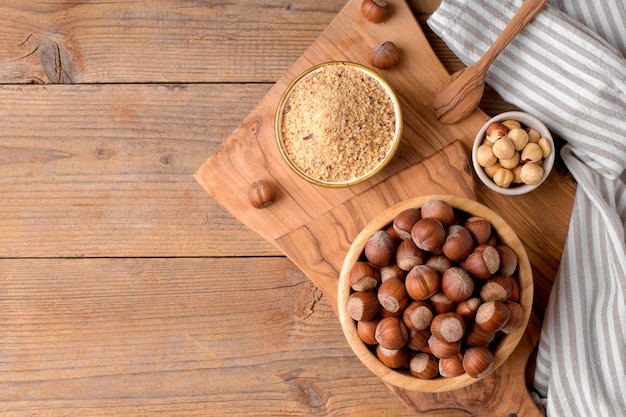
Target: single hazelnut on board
{"type": "Point", "coordinates": [404, 221]}
{"type": "Point", "coordinates": [477, 361]}
{"type": "Point", "coordinates": [261, 194]}
{"type": "Point", "coordinates": [424, 365]}
{"type": "Point", "coordinates": [384, 55]}
{"type": "Point", "coordinates": [376, 11]}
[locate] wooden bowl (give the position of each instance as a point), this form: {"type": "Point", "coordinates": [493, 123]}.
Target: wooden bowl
{"type": "Point", "coordinates": [503, 347]}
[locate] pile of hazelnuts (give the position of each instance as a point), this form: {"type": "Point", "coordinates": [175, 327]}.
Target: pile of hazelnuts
{"type": "Point", "coordinates": [434, 291]}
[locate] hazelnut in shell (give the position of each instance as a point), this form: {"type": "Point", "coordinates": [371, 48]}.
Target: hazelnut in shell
{"type": "Point", "coordinates": [457, 284]}
{"type": "Point", "coordinates": [393, 358]}
{"type": "Point", "coordinates": [451, 367]}
{"type": "Point", "coordinates": [458, 244]}
{"type": "Point", "coordinates": [408, 255]}
{"type": "Point", "coordinates": [442, 349]}
{"type": "Point", "coordinates": [428, 234]}
{"type": "Point", "coordinates": [498, 288]}
{"type": "Point", "coordinates": [439, 263]}
{"type": "Point", "coordinates": [363, 305]}
{"type": "Point", "coordinates": [392, 271]}
{"type": "Point", "coordinates": [380, 249]}
{"type": "Point", "coordinates": [440, 210]}
{"type": "Point", "coordinates": [391, 333]}
{"type": "Point", "coordinates": [477, 361]}
{"type": "Point", "coordinates": [508, 260]}
{"type": "Point", "coordinates": [492, 316]}
{"type": "Point", "coordinates": [467, 309]}
{"type": "Point", "coordinates": [424, 366]}
{"type": "Point", "coordinates": [418, 340]}
{"type": "Point", "coordinates": [448, 327]}
{"type": "Point", "coordinates": [516, 317]}
{"type": "Point", "coordinates": [479, 228]}
{"type": "Point", "coordinates": [483, 262]}
{"type": "Point", "coordinates": [404, 221]}
{"type": "Point", "coordinates": [376, 11]}
{"type": "Point", "coordinates": [364, 277]}
{"type": "Point", "coordinates": [384, 55]}
{"type": "Point", "coordinates": [418, 315]}
{"type": "Point", "coordinates": [422, 282]}
{"type": "Point", "coordinates": [475, 336]}
{"type": "Point", "coordinates": [367, 331]}
{"type": "Point", "coordinates": [392, 295]}
{"type": "Point", "coordinates": [441, 303]}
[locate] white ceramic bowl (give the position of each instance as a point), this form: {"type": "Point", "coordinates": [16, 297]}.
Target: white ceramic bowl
{"type": "Point", "coordinates": [528, 121]}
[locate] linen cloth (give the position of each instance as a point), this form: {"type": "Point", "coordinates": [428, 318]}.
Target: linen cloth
{"type": "Point", "coordinates": [568, 68]}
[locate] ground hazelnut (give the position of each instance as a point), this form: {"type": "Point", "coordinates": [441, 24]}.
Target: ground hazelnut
{"type": "Point", "coordinates": [424, 366]}
{"type": "Point", "coordinates": [531, 173]}
{"type": "Point", "coordinates": [418, 315]}
{"type": "Point", "coordinates": [458, 244]}
{"type": "Point", "coordinates": [440, 210]}
{"type": "Point", "coordinates": [422, 282]}
{"type": "Point", "coordinates": [393, 358]}
{"type": "Point", "coordinates": [451, 367]}
{"type": "Point", "coordinates": [485, 156]}
{"type": "Point", "coordinates": [428, 234]}
{"type": "Point", "coordinates": [503, 148]}
{"type": "Point", "coordinates": [384, 55]}
{"type": "Point", "coordinates": [457, 284]}
{"type": "Point", "coordinates": [531, 153]}
{"type": "Point", "coordinates": [448, 327]}
{"type": "Point", "coordinates": [409, 255]}
{"type": "Point", "coordinates": [442, 349]}
{"type": "Point", "coordinates": [363, 305]}
{"type": "Point", "coordinates": [483, 262]}
{"type": "Point", "coordinates": [367, 331]}
{"type": "Point", "coordinates": [376, 11]}
{"type": "Point", "coordinates": [391, 333]}
{"type": "Point", "coordinates": [392, 295]}
{"type": "Point", "coordinates": [380, 249]}
{"type": "Point", "coordinates": [403, 222]}
{"type": "Point", "coordinates": [519, 137]}
{"type": "Point", "coordinates": [479, 228]}
{"type": "Point", "coordinates": [498, 288]}
{"type": "Point", "coordinates": [503, 177]}
{"type": "Point", "coordinates": [261, 194]}
{"type": "Point", "coordinates": [477, 361]}
{"type": "Point", "coordinates": [545, 146]}
{"type": "Point", "coordinates": [364, 277]}
{"type": "Point", "coordinates": [492, 316]}
{"type": "Point", "coordinates": [495, 131]}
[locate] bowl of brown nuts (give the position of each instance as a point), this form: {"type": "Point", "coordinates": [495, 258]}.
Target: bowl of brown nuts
{"type": "Point", "coordinates": [435, 293]}
{"type": "Point", "coordinates": [338, 124]}
{"type": "Point", "coordinates": [513, 153]}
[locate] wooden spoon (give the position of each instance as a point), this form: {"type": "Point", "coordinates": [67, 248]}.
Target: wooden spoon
{"type": "Point", "coordinates": [461, 93]}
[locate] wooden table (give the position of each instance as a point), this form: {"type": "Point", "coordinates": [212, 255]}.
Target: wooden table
{"type": "Point", "coordinates": [126, 290]}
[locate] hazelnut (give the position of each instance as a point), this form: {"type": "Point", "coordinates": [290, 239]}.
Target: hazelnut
{"type": "Point", "coordinates": [516, 317]}
{"type": "Point", "coordinates": [531, 153]}
{"type": "Point", "coordinates": [517, 178]}
{"type": "Point", "coordinates": [442, 349]}
{"type": "Point", "coordinates": [511, 162]}
{"type": "Point", "coordinates": [404, 221]}
{"type": "Point", "coordinates": [498, 288]}
{"type": "Point", "coordinates": [495, 131]}
{"type": "Point", "coordinates": [376, 11]}
{"type": "Point", "coordinates": [457, 284]}
{"type": "Point", "coordinates": [508, 260]}
{"type": "Point", "coordinates": [503, 148]}
{"type": "Point", "coordinates": [363, 306]}
{"type": "Point", "coordinates": [391, 333]}
{"type": "Point", "coordinates": [451, 367]}
{"type": "Point", "coordinates": [261, 194]}
{"type": "Point", "coordinates": [367, 331]}
{"type": "Point", "coordinates": [503, 177]}
{"type": "Point", "coordinates": [380, 249]}
{"type": "Point", "coordinates": [531, 173]}
{"type": "Point", "coordinates": [479, 228]}
{"type": "Point", "coordinates": [440, 210]}
{"type": "Point", "coordinates": [428, 234]}
{"type": "Point", "coordinates": [491, 170]}
{"type": "Point", "coordinates": [418, 315]}
{"type": "Point", "coordinates": [392, 271]}
{"type": "Point", "coordinates": [511, 124]}
{"type": "Point", "coordinates": [515, 293]}
{"type": "Point", "coordinates": [475, 336]}
{"type": "Point", "coordinates": [533, 135]}
{"type": "Point", "coordinates": [441, 303]}
{"type": "Point", "coordinates": [392, 295]}
{"type": "Point", "coordinates": [418, 340]}
{"type": "Point", "coordinates": [448, 327]}
{"type": "Point", "coordinates": [439, 263]}
{"type": "Point", "coordinates": [477, 361]}
{"type": "Point", "coordinates": [483, 262]}
{"type": "Point", "coordinates": [424, 366]}
{"type": "Point", "coordinates": [467, 308]}
{"type": "Point", "coordinates": [519, 137]}
{"type": "Point", "coordinates": [545, 146]}
{"type": "Point", "coordinates": [492, 316]}
{"type": "Point", "coordinates": [408, 255]}
{"type": "Point", "coordinates": [384, 55]}
{"type": "Point", "coordinates": [422, 282]}
{"type": "Point", "coordinates": [458, 244]}
{"type": "Point", "coordinates": [364, 277]}
{"type": "Point", "coordinates": [485, 156]}
{"type": "Point", "coordinates": [393, 358]}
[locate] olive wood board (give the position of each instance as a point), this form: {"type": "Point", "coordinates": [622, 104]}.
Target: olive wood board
{"type": "Point", "coordinates": [314, 226]}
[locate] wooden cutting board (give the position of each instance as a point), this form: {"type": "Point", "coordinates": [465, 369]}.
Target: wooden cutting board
{"type": "Point", "coordinates": [315, 226]}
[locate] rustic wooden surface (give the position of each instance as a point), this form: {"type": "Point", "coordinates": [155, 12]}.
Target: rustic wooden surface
{"type": "Point", "coordinates": [126, 290]}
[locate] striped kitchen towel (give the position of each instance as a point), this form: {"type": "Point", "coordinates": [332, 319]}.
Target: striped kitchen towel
{"type": "Point", "coordinates": [568, 68]}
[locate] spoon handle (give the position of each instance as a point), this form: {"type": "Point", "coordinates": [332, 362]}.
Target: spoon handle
{"type": "Point", "coordinates": [524, 14]}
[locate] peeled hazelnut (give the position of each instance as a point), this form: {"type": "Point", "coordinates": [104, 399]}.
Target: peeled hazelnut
{"type": "Point", "coordinates": [392, 271]}
{"type": "Point", "coordinates": [475, 336]}
{"type": "Point", "coordinates": [511, 124]}
{"type": "Point", "coordinates": [367, 330]}
{"type": "Point", "coordinates": [418, 315]}
{"type": "Point", "coordinates": [448, 327]}
{"type": "Point", "coordinates": [531, 153]}
{"type": "Point", "coordinates": [376, 11]}
{"type": "Point", "coordinates": [424, 366]}
{"type": "Point", "coordinates": [261, 194]}
{"type": "Point", "coordinates": [392, 295]}
{"type": "Point", "coordinates": [516, 317]}
{"type": "Point", "coordinates": [458, 244]}
{"type": "Point", "coordinates": [467, 308]}
{"type": "Point", "coordinates": [440, 210]}
{"type": "Point", "coordinates": [511, 162]}
{"type": "Point", "coordinates": [531, 173]}
{"type": "Point", "coordinates": [457, 284]}
{"type": "Point", "coordinates": [519, 137]}
{"type": "Point", "coordinates": [391, 333]}
{"type": "Point", "coordinates": [477, 361]}
{"type": "Point", "coordinates": [503, 178]}
{"type": "Point", "coordinates": [408, 255]}
{"type": "Point", "coordinates": [422, 282]}
{"type": "Point", "coordinates": [545, 146]}
{"type": "Point", "coordinates": [363, 306]}
{"type": "Point", "coordinates": [479, 228]}
{"type": "Point", "coordinates": [441, 303]}
{"type": "Point", "coordinates": [428, 234]}
{"type": "Point", "coordinates": [533, 135]}
{"type": "Point", "coordinates": [485, 156]}
{"type": "Point", "coordinates": [442, 349]}
{"type": "Point", "coordinates": [451, 367]}
{"type": "Point", "coordinates": [503, 148]}
{"type": "Point", "coordinates": [393, 358]}
{"type": "Point", "coordinates": [495, 131]}
{"type": "Point", "coordinates": [404, 221]}
{"type": "Point", "coordinates": [384, 55]}
{"type": "Point", "coordinates": [491, 170]}
{"type": "Point", "coordinates": [364, 277]}
{"type": "Point", "coordinates": [498, 288]}
{"type": "Point", "coordinates": [380, 249]}
{"type": "Point", "coordinates": [483, 262]}
{"type": "Point", "coordinates": [418, 340]}
{"type": "Point", "coordinates": [517, 178]}
{"type": "Point", "coordinates": [508, 260]}
{"type": "Point", "coordinates": [439, 263]}
{"type": "Point", "coordinates": [492, 316]}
